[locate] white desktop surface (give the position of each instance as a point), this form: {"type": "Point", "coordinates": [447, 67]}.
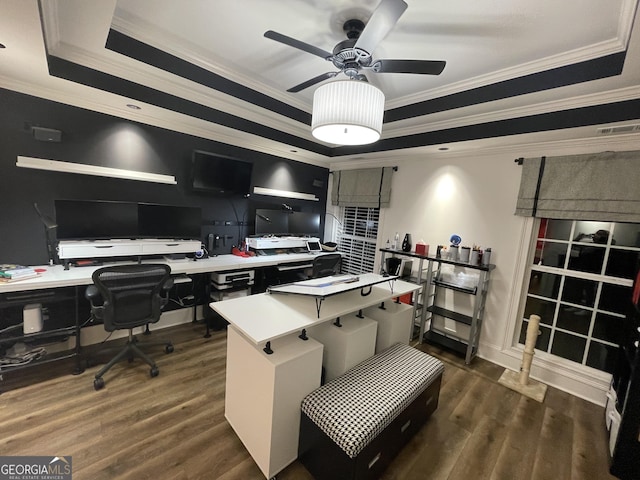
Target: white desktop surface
{"type": "Point", "coordinates": [56, 276]}
{"type": "Point", "coordinates": [267, 316]}
{"type": "Point", "coordinates": [331, 285]}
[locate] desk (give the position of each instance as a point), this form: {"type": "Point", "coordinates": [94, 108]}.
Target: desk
{"type": "Point", "coordinates": [264, 390]}
{"type": "Point", "coordinates": [56, 276]}
{"type": "Point", "coordinates": [66, 287]}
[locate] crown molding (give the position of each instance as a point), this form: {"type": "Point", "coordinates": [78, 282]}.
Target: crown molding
{"type": "Point", "coordinates": [524, 148]}
{"type": "Point", "coordinates": [614, 45]}
{"type": "Point", "coordinates": [171, 121]}
{"type": "Point", "coordinates": [141, 30]}
{"type": "Point", "coordinates": [587, 100]}
{"type": "Point", "coordinates": [541, 65]}
{"type": "Point", "coordinates": [51, 27]}
{"type": "Point", "coordinates": [191, 91]}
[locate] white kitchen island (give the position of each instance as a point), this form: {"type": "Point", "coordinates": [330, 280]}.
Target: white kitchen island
{"type": "Point", "coordinates": [272, 364]}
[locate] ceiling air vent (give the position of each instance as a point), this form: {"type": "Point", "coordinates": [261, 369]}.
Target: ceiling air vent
{"type": "Point", "coordinates": [621, 129]}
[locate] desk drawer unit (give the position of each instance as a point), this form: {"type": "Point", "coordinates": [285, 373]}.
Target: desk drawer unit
{"type": "Point", "coordinates": [125, 248]}
{"type": "Point", "coordinates": [97, 249]}
{"type": "Point", "coordinates": [158, 247]}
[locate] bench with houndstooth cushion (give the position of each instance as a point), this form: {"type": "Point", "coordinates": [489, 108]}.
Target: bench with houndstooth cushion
{"type": "Point", "coordinates": [353, 426]}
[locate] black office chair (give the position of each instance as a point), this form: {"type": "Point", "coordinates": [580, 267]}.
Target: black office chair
{"type": "Point", "coordinates": [125, 297]}
{"type": "Point", "coordinates": [326, 265]}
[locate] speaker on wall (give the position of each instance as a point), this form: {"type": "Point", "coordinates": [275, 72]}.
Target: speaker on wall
{"type": "Point", "coordinates": [46, 134]}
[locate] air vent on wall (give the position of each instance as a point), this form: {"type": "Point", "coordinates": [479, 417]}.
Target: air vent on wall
{"type": "Point", "coordinates": [620, 129]}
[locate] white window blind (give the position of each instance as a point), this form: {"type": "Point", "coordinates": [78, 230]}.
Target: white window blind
{"type": "Point", "coordinates": [357, 238]}
{"type": "Point", "coordinates": [367, 187]}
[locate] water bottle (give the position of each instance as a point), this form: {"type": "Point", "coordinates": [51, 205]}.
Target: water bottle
{"type": "Point", "coordinates": [396, 240]}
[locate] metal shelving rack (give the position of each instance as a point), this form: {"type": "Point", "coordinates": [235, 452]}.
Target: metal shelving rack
{"type": "Point", "coordinates": [64, 323]}
{"type": "Point", "coordinates": [419, 312]}
{"type": "Point", "coordinates": [427, 307]}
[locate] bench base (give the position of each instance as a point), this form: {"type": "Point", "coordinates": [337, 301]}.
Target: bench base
{"type": "Point", "coordinates": [326, 460]}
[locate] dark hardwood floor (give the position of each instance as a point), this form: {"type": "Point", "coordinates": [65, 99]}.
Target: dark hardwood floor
{"type": "Point", "coordinates": [173, 426]}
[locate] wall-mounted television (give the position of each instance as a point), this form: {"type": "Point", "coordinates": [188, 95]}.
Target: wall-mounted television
{"type": "Point", "coordinates": [103, 220]}
{"type": "Point", "coordinates": [220, 175]}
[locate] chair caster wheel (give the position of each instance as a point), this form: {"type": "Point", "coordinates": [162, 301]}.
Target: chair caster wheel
{"type": "Point", "coordinates": [168, 348]}
{"type": "Point", "coordinates": [154, 372]}
{"type": "Point", "coordinates": [98, 383]}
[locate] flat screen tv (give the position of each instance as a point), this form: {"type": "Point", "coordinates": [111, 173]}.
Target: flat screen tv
{"type": "Point", "coordinates": [95, 220]}
{"type": "Point", "coordinates": [220, 175]}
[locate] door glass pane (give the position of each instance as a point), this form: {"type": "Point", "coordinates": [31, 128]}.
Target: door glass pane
{"type": "Point", "coordinates": [587, 258]}
{"type": "Point", "coordinates": [556, 229]}
{"type": "Point", "coordinates": [551, 254]}
{"type": "Point", "coordinates": [543, 308]}
{"type": "Point", "coordinates": [542, 343]}
{"type": "Point", "coordinates": [601, 356]}
{"type": "Point", "coordinates": [621, 263]}
{"type": "Point", "coordinates": [627, 235]}
{"type": "Point", "coordinates": [544, 284]}
{"type": "Point", "coordinates": [574, 319]}
{"type": "Point", "coordinates": [568, 346]}
{"type": "Point", "coordinates": [608, 327]}
{"type": "Point", "coordinates": [592, 232]}
{"type": "Point", "coordinates": [615, 298]}
{"type": "Point", "coordinates": [579, 291]}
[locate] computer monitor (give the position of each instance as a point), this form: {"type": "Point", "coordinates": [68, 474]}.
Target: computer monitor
{"type": "Point", "coordinates": [271, 222]}
{"type": "Point", "coordinates": [304, 223]}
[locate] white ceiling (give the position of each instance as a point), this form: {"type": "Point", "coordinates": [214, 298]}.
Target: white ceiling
{"type": "Point", "coordinates": [483, 42]}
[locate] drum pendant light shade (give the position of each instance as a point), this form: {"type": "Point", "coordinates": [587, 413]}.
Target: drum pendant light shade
{"type": "Point", "coordinates": [347, 112]}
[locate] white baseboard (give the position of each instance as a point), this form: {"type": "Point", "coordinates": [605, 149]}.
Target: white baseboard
{"type": "Point", "coordinates": [552, 372]}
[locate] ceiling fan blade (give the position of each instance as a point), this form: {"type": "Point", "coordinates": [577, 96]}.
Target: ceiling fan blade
{"type": "Point", "coordinates": [382, 20]}
{"type": "Point", "coordinates": [313, 81]}
{"type": "Point", "coordinates": [292, 42]}
{"type": "Point", "coordinates": [426, 67]}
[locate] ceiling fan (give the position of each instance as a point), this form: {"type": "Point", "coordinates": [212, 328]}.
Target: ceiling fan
{"type": "Point", "coordinates": [354, 54]}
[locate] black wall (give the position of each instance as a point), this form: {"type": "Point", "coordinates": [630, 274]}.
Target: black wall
{"type": "Point", "coordinates": [98, 139]}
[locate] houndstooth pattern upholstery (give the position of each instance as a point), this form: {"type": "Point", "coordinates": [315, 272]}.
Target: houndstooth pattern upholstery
{"type": "Point", "coordinates": [355, 407]}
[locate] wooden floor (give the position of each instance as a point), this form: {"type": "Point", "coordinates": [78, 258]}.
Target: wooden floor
{"type": "Point", "coordinates": [173, 426]}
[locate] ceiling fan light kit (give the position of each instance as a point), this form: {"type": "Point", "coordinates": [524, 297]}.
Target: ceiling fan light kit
{"type": "Point", "coordinates": [350, 112]}
{"type": "Point", "coordinates": [347, 112]}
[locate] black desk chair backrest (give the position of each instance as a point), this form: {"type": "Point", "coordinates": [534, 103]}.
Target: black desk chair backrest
{"type": "Point", "coordinates": [132, 295]}
{"type": "Point", "coordinates": [326, 265]}
{"type": "Point", "coordinates": [125, 297]}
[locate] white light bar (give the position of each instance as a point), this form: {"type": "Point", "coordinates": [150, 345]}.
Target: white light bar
{"type": "Point", "coordinates": [68, 167]}
{"type": "Point", "coordinates": [284, 193]}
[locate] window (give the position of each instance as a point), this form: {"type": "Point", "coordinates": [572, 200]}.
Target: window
{"type": "Point", "coordinates": [580, 284]}
{"type": "Point", "coordinates": [357, 238]}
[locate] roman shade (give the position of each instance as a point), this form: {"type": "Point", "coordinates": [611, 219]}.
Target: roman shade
{"type": "Point", "coordinates": [367, 187]}
{"type": "Point", "coordinates": [602, 186]}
